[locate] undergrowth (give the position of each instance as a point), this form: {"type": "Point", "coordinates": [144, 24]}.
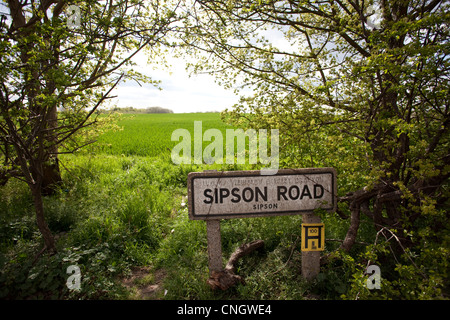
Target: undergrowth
{"type": "Point", "coordinates": [115, 213]}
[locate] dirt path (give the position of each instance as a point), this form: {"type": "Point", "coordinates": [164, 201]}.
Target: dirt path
{"type": "Point", "coordinates": [145, 283]}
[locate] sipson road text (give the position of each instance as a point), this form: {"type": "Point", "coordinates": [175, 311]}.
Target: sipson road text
{"type": "Point", "coordinates": [248, 194]}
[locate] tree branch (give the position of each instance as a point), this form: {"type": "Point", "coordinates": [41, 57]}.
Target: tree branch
{"type": "Point", "coordinates": [226, 278]}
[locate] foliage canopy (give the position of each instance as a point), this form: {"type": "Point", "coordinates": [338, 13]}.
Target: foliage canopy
{"type": "Point", "coordinates": [373, 75]}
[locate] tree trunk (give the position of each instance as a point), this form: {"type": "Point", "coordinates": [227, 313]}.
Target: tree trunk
{"type": "Point", "coordinates": [40, 220]}
{"type": "Point", "coordinates": [51, 177]}
{"type": "Point", "coordinates": [51, 174]}
{"type": "Point", "coordinates": [350, 237]}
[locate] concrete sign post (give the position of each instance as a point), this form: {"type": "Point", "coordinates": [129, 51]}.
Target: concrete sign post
{"type": "Point", "coordinates": [215, 195]}
{"type": "Point", "coordinates": [214, 245]}
{"type": "Point", "coordinates": [311, 255]}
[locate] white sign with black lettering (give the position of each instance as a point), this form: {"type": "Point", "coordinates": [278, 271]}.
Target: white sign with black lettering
{"type": "Point", "coordinates": [235, 194]}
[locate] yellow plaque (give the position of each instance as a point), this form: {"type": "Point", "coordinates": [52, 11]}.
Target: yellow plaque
{"type": "Point", "coordinates": [313, 236]}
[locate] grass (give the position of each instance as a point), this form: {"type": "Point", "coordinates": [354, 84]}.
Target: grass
{"type": "Point", "coordinates": [122, 206]}
{"type": "Point", "coordinates": [150, 135]}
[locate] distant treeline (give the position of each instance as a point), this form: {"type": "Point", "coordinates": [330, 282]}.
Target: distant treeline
{"type": "Point", "coordinates": [137, 110]}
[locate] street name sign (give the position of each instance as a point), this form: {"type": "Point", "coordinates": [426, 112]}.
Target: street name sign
{"type": "Point", "coordinates": [239, 194]}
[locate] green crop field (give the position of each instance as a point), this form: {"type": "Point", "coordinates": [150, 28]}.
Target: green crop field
{"type": "Point", "coordinates": [150, 134]}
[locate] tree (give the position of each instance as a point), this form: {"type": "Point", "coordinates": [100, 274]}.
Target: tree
{"type": "Point", "coordinates": [361, 85]}
{"type": "Point", "coordinates": [60, 61]}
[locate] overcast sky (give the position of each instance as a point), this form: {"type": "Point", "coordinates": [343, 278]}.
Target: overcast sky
{"type": "Point", "coordinates": [180, 93]}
